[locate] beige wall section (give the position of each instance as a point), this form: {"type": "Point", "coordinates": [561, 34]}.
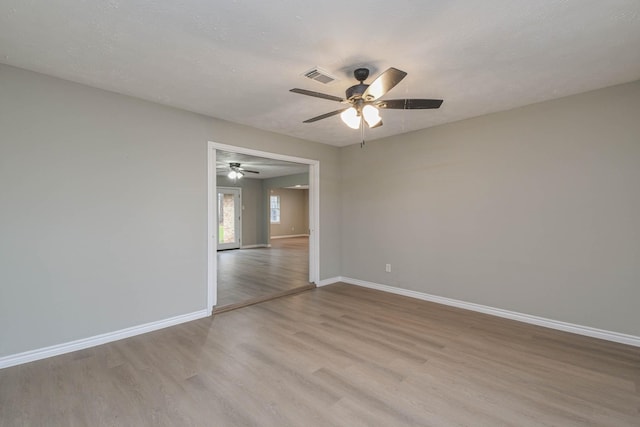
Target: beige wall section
{"type": "Point", "coordinates": [292, 212]}
{"type": "Point", "coordinates": [281, 182]}
{"type": "Point", "coordinates": [535, 210]}
{"type": "Point", "coordinates": [104, 208]}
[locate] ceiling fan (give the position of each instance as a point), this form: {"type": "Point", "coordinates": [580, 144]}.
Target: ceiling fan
{"type": "Point", "coordinates": [236, 172]}
{"type": "Point", "coordinates": [365, 102]}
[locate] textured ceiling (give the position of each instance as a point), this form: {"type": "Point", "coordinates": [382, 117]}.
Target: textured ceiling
{"type": "Point", "coordinates": [236, 60]}
{"type": "Point", "coordinates": [268, 168]}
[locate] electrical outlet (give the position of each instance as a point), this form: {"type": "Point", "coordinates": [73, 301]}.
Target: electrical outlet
{"type": "Point", "coordinates": [387, 268]}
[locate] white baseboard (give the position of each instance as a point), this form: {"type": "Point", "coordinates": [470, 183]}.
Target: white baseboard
{"type": "Point", "coordinates": [261, 245]}
{"type": "Point", "coordinates": [289, 235]}
{"type": "Point", "coordinates": [521, 317]}
{"type": "Point", "coordinates": [55, 350]}
{"type": "Point", "coordinates": [330, 281]}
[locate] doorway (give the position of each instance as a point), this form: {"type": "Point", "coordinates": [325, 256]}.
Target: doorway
{"type": "Point", "coordinates": [312, 248]}
{"type": "Point", "coordinates": [229, 217]}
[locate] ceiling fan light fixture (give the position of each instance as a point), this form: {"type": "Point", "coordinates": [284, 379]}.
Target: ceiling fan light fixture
{"type": "Point", "coordinates": [350, 118]}
{"type": "Point", "coordinates": [371, 115]}
{"type": "Point", "coordinates": [235, 174]}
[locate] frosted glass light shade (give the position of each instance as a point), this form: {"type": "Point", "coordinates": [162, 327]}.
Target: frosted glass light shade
{"type": "Point", "coordinates": [235, 175]}
{"type": "Point", "coordinates": [350, 118]}
{"type": "Point", "coordinates": [371, 115]}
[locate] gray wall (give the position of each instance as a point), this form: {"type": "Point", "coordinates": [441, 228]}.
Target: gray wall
{"type": "Point", "coordinates": [253, 209]}
{"type": "Point", "coordinates": [103, 223]}
{"type": "Point", "coordinates": [535, 210]}
{"type": "Point", "coordinates": [103, 220]}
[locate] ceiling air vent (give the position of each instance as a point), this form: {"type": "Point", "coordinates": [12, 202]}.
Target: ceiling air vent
{"type": "Point", "coordinates": [320, 75]}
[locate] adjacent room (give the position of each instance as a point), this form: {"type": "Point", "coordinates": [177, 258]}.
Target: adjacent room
{"type": "Point", "coordinates": [262, 217]}
{"type": "Point", "coordinates": [245, 213]}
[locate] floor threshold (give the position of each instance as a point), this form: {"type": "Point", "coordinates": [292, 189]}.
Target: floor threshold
{"type": "Point", "coordinates": [261, 299]}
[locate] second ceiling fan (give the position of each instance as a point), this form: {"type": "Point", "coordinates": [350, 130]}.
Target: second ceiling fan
{"type": "Point", "coordinates": [236, 172]}
{"type": "Point", "coordinates": [364, 99]}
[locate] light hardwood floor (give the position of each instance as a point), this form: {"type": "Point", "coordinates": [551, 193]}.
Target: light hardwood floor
{"type": "Point", "coordinates": [247, 274]}
{"type": "Point", "coordinates": [334, 356]}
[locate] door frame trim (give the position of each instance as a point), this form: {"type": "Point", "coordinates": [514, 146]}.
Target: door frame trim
{"type": "Point", "coordinates": [314, 213]}
{"type": "Point", "coordinates": [237, 216]}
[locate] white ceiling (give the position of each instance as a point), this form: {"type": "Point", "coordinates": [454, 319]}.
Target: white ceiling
{"type": "Point", "coordinates": [236, 60]}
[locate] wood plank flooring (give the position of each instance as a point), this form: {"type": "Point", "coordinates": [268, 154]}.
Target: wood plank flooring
{"type": "Point", "coordinates": [334, 356]}
{"type": "Point", "coordinates": [247, 274]}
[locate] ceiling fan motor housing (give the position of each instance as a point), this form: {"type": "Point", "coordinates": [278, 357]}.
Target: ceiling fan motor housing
{"type": "Point", "coordinates": [361, 74]}
{"type": "Point", "coordinates": [356, 91]}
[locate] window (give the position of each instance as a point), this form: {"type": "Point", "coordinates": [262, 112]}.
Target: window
{"type": "Point", "coordinates": [275, 209]}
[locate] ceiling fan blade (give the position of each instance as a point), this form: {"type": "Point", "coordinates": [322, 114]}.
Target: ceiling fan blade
{"type": "Point", "coordinates": [383, 84]}
{"type": "Point", "coordinates": [247, 170]}
{"type": "Point", "coordinates": [324, 116]}
{"type": "Point", "coordinates": [316, 94]}
{"type": "Point", "coordinates": [409, 104]}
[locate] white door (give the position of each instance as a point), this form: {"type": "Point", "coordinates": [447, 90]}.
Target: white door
{"type": "Point", "coordinates": [229, 218]}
